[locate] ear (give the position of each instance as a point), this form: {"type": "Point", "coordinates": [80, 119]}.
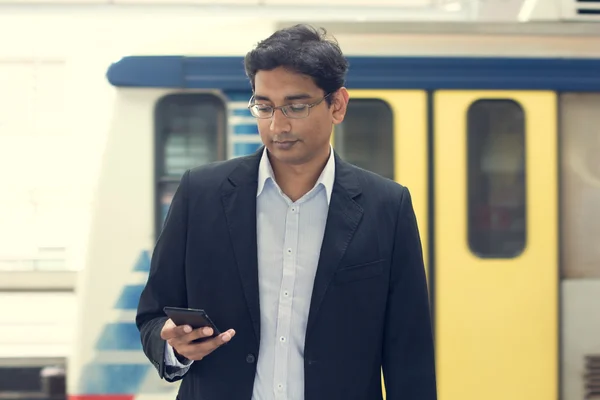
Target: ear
{"type": "Point", "coordinates": [339, 105]}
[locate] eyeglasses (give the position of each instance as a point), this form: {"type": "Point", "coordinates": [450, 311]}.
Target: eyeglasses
{"type": "Point", "coordinates": [295, 111]}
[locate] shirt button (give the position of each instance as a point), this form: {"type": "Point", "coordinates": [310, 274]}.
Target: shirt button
{"type": "Point", "coordinates": [280, 387]}
{"type": "Point", "coordinates": [250, 358]}
{"type": "Point", "coordinates": [293, 209]}
{"type": "Point", "coordinates": [282, 339]}
{"type": "Point", "coordinates": [289, 251]}
{"type": "Point", "coordinates": [286, 293]}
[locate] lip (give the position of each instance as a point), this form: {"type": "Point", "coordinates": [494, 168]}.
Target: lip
{"type": "Point", "coordinates": [285, 145]}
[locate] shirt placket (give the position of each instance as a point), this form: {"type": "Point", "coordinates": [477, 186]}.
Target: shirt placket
{"type": "Point", "coordinates": [286, 292]}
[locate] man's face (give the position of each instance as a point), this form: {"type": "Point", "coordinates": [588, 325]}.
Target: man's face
{"type": "Point", "coordinates": [296, 141]}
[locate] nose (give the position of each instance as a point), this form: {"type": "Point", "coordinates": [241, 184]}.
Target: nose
{"type": "Point", "coordinates": [279, 122]}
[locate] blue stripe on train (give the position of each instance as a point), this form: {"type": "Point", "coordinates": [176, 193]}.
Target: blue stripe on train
{"type": "Point", "coordinates": [130, 297]}
{"type": "Point", "coordinates": [143, 262]}
{"type": "Point", "coordinates": [381, 72]}
{"type": "Point", "coordinates": [245, 129]}
{"type": "Point", "coordinates": [112, 378]}
{"type": "Point", "coordinates": [104, 378]}
{"type": "Point", "coordinates": [242, 112]}
{"type": "Point", "coordinates": [119, 336]}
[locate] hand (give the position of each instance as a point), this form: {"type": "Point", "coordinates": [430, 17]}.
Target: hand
{"type": "Point", "coordinates": [181, 337]}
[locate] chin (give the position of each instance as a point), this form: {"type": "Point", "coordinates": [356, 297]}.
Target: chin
{"type": "Point", "coordinates": [288, 156]}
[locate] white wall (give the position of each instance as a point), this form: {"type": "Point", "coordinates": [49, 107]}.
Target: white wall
{"type": "Point", "coordinates": [34, 325]}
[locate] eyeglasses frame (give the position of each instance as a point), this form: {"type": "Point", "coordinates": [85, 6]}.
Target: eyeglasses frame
{"type": "Point", "coordinates": [285, 107]}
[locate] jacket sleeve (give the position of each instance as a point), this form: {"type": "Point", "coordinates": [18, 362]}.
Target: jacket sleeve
{"type": "Point", "coordinates": [408, 348]}
{"type": "Point", "coordinates": [166, 284]}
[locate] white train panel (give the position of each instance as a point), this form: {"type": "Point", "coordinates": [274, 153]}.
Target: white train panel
{"type": "Point", "coordinates": [37, 324]}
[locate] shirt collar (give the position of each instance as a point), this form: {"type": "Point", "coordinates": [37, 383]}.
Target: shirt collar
{"type": "Point", "coordinates": [327, 177]}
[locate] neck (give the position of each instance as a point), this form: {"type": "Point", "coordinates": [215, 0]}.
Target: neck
{"type": "Point", "coordinates": [297, 180]}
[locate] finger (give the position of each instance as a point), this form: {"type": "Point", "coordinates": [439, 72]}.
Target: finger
{"type": "Point", "coordinates": [200, 350]}
{"type": "Point", "coordinates": [171, 331]}
{"type": "Point", "coordinates": [219, 340]}
{"type": "Point", "coordinates": [227, 336]}
{"type": "Point", "coordinates": [187, 338]}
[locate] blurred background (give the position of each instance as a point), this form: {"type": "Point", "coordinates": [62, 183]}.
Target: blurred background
{"type": "Point", "coordinates": [488, 110]}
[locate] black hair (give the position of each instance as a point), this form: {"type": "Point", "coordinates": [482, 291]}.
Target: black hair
{"type": "Point", "coordinates": [304, 50]}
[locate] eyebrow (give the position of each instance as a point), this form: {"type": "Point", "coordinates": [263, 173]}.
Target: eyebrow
{"type": "Point", "coordinates": [299, 96]}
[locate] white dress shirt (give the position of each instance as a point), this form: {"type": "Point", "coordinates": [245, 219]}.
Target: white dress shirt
{"type": "Point", "coordinates": [289, 236]}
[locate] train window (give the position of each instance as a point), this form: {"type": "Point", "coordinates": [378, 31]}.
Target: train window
{"type": "Point", "coordinates": [190, 131]}
{"type": "Point", "coordinates": [496, 178]}
{"type": "Point", "coordinates": [366, 137]}
{"type": "Point", "coordinates": [580, 185]}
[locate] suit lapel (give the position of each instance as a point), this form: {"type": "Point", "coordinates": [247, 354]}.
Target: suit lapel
{"type": "Point", "coordinates": [239, 203]}
{"type": "Point", "coordinates": [342, 220]}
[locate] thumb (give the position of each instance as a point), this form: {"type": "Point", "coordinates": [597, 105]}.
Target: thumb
{"type": "Point", "coordinates": [170, 330]}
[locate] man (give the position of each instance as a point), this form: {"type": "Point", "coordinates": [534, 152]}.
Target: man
{"type": "Point", "coordinates": [310, 266]}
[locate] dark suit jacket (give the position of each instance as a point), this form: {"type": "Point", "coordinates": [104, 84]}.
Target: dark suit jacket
{"type": "Point", "coordinates": [369, 307]}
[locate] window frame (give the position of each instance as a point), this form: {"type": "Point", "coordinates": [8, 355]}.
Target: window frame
{"type": "Point", "coordinates": [161, 179]}
{"type": "Point", "coordinates": [469, 182]}
{"type": "Point", "coordinates": [392, 123]}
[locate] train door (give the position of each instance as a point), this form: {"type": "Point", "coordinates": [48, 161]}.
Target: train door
{"type": "Point", "coordinates": [580, 253]}
{"type": "Point", "coordinates": [496, 266]}
{"type": "Point", "coordinates": [386, 132]}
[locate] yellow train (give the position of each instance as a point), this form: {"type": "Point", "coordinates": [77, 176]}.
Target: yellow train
{"type": "Point", "coordinates": [501, 155]}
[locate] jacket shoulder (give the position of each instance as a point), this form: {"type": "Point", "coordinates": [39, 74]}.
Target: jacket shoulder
{"type": "Point", "coordinates": [380, 186]}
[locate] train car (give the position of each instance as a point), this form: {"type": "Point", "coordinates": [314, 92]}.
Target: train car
{"type": "Point", "coordinates": [498, 145]}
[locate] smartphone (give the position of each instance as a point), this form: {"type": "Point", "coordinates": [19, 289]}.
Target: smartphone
{"type": "Point", "coordinates": [193, 317]}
